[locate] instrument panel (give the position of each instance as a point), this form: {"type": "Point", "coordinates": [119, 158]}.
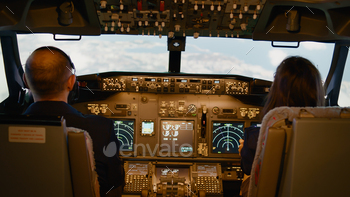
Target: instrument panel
{"type": "Point", "coordinates": [182, 131]}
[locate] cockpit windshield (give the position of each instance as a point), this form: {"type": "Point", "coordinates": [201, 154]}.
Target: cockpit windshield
{"type": "Point", "coordinates": [258, 59]}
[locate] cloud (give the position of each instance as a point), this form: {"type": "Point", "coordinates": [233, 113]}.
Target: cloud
{"type": "Point", "coordinates": [4, 93]}
{"type": "Point", "coordinates": [199, 49]}
{"type": "Point", "coordinates": [314, 46]}
{"type": "Point", "coordinates": [344, 96]}
{"type": "Point", "coordinates": [93, 56]}
{"type": "Point", "coordinates": [220, 64]}
{"type": "Point", "coordinates": [276, 56]}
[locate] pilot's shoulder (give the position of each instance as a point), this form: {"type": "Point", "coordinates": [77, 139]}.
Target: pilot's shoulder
{"type": "Point", "coordinates": [98, 118]}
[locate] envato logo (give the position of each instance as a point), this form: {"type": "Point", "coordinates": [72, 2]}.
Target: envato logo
{"type": "Point", "coordinates": [165, 150]}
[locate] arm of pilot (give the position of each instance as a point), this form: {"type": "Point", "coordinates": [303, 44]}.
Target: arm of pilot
{"type": "Point", "coordinates": [248, 149]}
{"type": "Point", "coordinates": [240, 146]}
{"type": "Point", "coordinates": [116, 174]}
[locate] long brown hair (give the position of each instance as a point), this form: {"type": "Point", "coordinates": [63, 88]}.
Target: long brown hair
{"type": "Point", "coordinates": [297, 84]}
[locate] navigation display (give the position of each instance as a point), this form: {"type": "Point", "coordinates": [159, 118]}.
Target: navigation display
{"type": "Point", "coordinates": [226, 136]}
{"type": "Point", "coordinates": [207, 170]}
{"type": "Point", "coordinates": [124, 130]}
{"type": "Point", "coordinates": [138, 169]}
{"type": "Point", "coordinates": [177, 136]}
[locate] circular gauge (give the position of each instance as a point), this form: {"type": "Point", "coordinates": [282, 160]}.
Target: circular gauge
{"type": "Point", "coordinates": [124, 131]}
{"type": "Point", "coordinates": [226, 136]}
{"type": "Point", "coordinates": [192, 109]}
{"type": "Point", "coordinates": [215, 110]}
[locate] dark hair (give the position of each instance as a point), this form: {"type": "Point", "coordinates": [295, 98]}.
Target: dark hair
{"type": "Point", "coordinates": [297, 83]}
{"type": "Point", "coordinates": [47, 73]}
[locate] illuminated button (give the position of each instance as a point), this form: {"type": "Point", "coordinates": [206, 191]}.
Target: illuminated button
{"type": "Point", "coordinates": [204, 81]}
{"type": "Point", "coordinates": [204, 87]}
{"type": "Point", "coordinates": [210, 82]}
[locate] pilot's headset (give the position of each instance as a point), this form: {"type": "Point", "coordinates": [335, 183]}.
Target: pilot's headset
{"type": "Point", "coordinates": [74, 93]}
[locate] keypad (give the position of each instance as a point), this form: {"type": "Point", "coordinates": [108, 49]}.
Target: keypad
{"type": "Point", "coordinates": [209, 184]}
{"type": "Point", "coordinates": [135, 183]}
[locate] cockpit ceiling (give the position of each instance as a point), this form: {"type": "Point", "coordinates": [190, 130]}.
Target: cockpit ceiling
{"type": "Point", "coordinates": [274, 20]}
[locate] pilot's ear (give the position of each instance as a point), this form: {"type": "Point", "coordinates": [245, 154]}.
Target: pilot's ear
{"type": "Point", "coordinates": [71, 82]}
{"type": "Point", "coordinates": [25, 80]}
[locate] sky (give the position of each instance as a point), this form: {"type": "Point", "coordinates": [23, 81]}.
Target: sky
{"type": "Point", "coordinates": [245, 57]}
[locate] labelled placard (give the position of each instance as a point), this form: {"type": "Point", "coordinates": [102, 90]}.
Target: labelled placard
{"type": "Point", "coordinates": [27, 134]}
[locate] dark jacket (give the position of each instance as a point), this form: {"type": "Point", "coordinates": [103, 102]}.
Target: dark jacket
{"type": "Point", "coordinates": [251, 135]}
{"type": "Point", "coordinates": [109, 169]}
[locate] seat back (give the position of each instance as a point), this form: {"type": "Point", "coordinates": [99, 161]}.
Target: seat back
{"type": "Point", "coordinates": [34, 157]}
{"type": "Point", "coordinates": [82, 163]}
{"type": "Point", "coordinates": [37, 162]}
{"type": "Point", "coordinates": [301, 151]}
{"type": "Point", "coordinates": [318, 160]}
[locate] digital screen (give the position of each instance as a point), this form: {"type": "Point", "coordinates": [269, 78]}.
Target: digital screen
{"type": "Point", "coordinates": [147, 127]}
{"type": "Point", "coordinates": [182, 80]}
{"type": "Point", "coordinates": [226, 136]}
{"type": "Point", "coordinates": [177, 136]}
{"type": "Point", "coordinates": [134, 79]}
{"type": "Point", "coordinates": [255, 124]}
{"type": "Point", "coordinates": [138, 169]}
{"type": "Point", "coordinates": [182, 172]}
{"type": "Point", "coordinates": [124, 131]}
{"type": "Point", "coordinates": [207, 170]}
{"type": "Point", "coordinates": [216, 81]}
{"type": "Point", "coordinates": [165, 80]}
{"type": "Point", "coordinates": [148, 79]}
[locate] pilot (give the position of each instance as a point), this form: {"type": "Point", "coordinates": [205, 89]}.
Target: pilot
{"type": "Point", "coordinates": [50, 75]}
{"type": "Point", "coordinates": [297, 83]}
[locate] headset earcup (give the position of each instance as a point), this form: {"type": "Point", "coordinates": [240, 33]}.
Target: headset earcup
{"type": "Point", "coordinates": [74, 93]}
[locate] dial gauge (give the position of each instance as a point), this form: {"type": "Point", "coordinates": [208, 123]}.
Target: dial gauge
{"type": "Point", "coordinates": [192, 109]}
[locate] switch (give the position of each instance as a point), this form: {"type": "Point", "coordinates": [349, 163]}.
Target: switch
{"type": "Point", "coordinates": [219, 7]}
{"type": "Point", "coordinates": [103, 4]}
{"type": "Point", "coordinates": [246, 8]}
{"type": "Point", "coordinates": [139, 5]}
{"type": "Point", "coordinates": [161, 6]}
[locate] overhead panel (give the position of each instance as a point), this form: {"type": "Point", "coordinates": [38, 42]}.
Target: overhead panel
{"type": "Point", "coordinates": [220, 18]}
